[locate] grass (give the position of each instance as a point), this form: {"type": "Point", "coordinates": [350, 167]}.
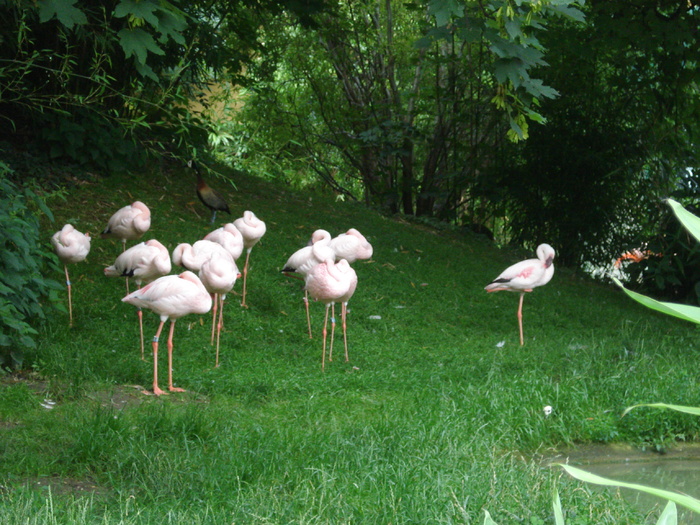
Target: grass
{"type": "Point", "coordinates": [432, 420]}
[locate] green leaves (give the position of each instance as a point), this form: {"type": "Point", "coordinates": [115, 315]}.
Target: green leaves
{"type": "Point", "coordinates": [64, 10]}
{"type": "Point", "coordinates": [682, 311]}
{"type": "Point", "coordinates": [139, 43]}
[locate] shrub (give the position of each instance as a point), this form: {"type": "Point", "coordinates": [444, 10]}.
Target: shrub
{"type": "Point", "coordinates": [24, 262]}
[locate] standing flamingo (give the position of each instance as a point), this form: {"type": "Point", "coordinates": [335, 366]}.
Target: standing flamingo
{"type": "Point", "coordinates": [218, 275]}
{"type": "Point", "coordinates": [171, 297]}
{"type": "Point", "coordinates": [524, 276]}
{"type": "Point", "coordinates": [229, 237]}
{"type": "Point", "coordinates": [301, 261]}
{"type": "Point", "coordinates": [330, 282]}
{"type": "Point", "coordinates": [144, 262]}
{"type": "Point", "coordinates": [128, 224]}
{"type": "Point", "coordinates": [252, 229]}
{"type": "Point", "coordinates": [71, 246]}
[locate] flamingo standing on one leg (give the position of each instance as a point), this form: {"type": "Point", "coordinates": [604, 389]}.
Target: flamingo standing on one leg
{"type": "Point", "coordinates": [252, 229]}
{"type": "Point", "coordinates": [128, 224]}
{"type": "Point", "coordinates": [71, 246]}
{"type": "Point", "coordinates": [301, 261]}
{"type": "Point", "coordinates": [143, 262]}
{"type": "Point", "coordinates": [171, 297]}
{"type": "Point", "coordinates": [218, 275]}
{"type": "Point", "coordinates": [330, 282]}
{"type": "Point", "coordinates": [524, 276]}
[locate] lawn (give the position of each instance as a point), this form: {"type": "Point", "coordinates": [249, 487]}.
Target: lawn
{"type": "Point", "coordinates": [437, 416]}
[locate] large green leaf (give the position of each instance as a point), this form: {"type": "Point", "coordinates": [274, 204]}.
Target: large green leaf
{"type": "Point", "coordinates": [64, 10]}
{"type": "Point", "coordinates": [678, 408]}
{"type": "Point", "coordinates": [138, 42]}
{"type": "Point", "coordinates": [682, 311]}
{"type": "Point", "coordinates": [690, 221]}
{"type": "Point", "coordinates": [681, 499]}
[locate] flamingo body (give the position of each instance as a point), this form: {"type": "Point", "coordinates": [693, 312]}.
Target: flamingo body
{"type": "Point", "coordinates": [171, 297]}
{"type": "Point", "coordinates": [229, 237]}
{"type": "Point", "coordinates": [524, 277]}
{"type": "Point", "coordinates": [351, 246]}
{"type": "Point", "coordinates": [192, 256]}
{"type": "Point", "coordinates": [71, 246]}
{"type": "Point", "coordinates": [129, 223]}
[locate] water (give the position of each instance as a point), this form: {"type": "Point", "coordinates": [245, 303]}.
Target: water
{"type": "Point", "coordinates": [677, 470]}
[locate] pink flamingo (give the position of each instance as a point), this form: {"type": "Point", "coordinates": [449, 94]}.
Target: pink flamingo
{"type": "Point", "coordinates": [524, 277]}
{"type": "Point", "coordinates": [171, 297]}
{"type": "Point", "coordinates": [71, 246]}
{"type": "Point", "coordinates": [330, 282]}
{"type": "Point", "coordinates": [229, 237]}
{"type": "Point", "coordinates": [218, 275]}
{"type": "Point", "coordinates": [128, 224]}
{"type": "Point", "coordinates": [144, 262]}
{"type": "Point", "coordinates": [252, 229]}
{"type": "Point", "coordinates": [351, 246]}
{"type": "Point", "coordinates": [301, 261]}
{"type": "Point", "coordinates": [192, 256]}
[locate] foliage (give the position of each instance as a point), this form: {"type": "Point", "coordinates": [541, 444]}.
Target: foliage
{"type": "Point", "coordinates": [24, 264]}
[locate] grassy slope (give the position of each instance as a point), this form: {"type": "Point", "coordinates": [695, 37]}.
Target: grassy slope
{"type": "Point", "coordinates": [421, 426]}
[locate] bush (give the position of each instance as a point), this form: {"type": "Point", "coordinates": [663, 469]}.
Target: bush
{"type": "Point", "coordinates": [24, 262]}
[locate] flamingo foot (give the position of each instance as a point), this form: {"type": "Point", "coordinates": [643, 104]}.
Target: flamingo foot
{"type": "Point", "coordinates": [176, 389]}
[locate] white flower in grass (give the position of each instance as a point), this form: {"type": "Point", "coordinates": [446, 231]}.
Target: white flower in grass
{"type": "Point", "coordinates": [547, 411]}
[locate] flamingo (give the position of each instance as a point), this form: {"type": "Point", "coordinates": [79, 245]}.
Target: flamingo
{"type": "Point", "coordinates": [218, 275]}
{"type": "Point", "coordinates": [301, 261]}
{"type": "Point", "coordinates": [210, 198]}
{"type": "Point", "coordinates": [144, 262]}
{"type": "Point", "coordinates": [71, 246]}
{"type": "Point", "coordinates": [128, 224]}
{"type": "Point", "coordinates": [351, 246]}
{"type": "Point", "coordinates": [524, 277]}
{"type": "Point", "coordinates": [252, 229]}
{"type": "Point", "coordinates": [229, 237]}
{"type": "Point", "coordinates": [330, 282]}
{"type": "Point", "coordinates": [171, 297]}
{"type": "Point", "coordinates": [192, 256]}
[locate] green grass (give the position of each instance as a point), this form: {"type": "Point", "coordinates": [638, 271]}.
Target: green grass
{"type": "Point", "coordinates": [429, 422]}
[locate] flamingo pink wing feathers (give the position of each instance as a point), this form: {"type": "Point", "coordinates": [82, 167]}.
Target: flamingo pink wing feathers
{"type": "Point", "coordinates": [71, 246]}
{"type": "Point", "coordinates": [130, 222]}
{"type": "Point", "coordinates": [173, 296]}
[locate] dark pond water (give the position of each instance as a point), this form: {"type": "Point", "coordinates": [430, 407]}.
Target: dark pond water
{"type": "Point", "coordinates": [677, 469]}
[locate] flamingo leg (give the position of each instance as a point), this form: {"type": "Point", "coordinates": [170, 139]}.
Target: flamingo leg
{"type": "Point", "coordinates": [520, 318]}
{"type": "Point", "coordinates": [245, 278]}
{"type": "Point", "coordinates": [70, 299]}
{"type": "Point", "coordinates": [343, 315]}
{"type": "Point", "coordinates": [213, 317]}
{"type": "Point", "coordinates": [325, 332]}
{"type": "Point", "coordinates": [220, 324]}
{"type": "Point", "coordinates": [139, 314]}
{"type": "Point", "coordinates": [170, 359]}
{"type": "Point", "coordinates": [308, 316]}
{"type": "Point", "coordinates": [330, 352]}
{"type": "Point", "coordinates": [157, 391]}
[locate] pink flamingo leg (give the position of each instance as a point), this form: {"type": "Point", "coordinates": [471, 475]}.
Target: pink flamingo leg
{"type": "Point", "coordinates": [215, 298]}
{"type": "Point", "coordinates": [170, 360]}
{"type": "Point", "coordinates": [70, 299]}
{"type": "Point", "coordinates": [157, 391]}
{"type": "Point", "coordinates": [218, 331]}
{"type": "Point", "coordinates": [139, 314]}
{"type": "Point", "coordinates": [520, 318]}
{"type": "Point", "coordinates": [245, 278]}
{"type": "Point", "coordinates": [343, 314]}
{"type": "Point", "coordinates": [325, 332]}
{"type": "Point", "coordinates": [330, 352]}
{"type": "Point", "coordinates": [308, 316]}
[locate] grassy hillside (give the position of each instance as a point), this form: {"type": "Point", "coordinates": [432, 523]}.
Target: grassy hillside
{"type": "Point", "coordinates": [429, 422]}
